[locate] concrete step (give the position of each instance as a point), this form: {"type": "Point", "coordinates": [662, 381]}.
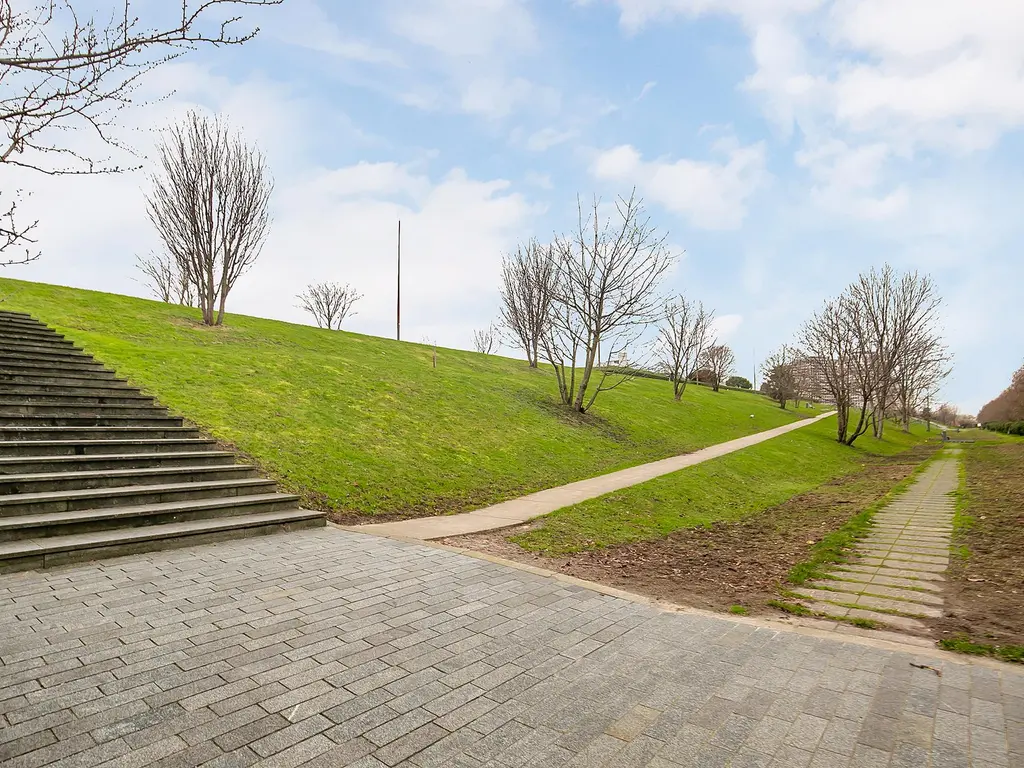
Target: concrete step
{"type": "Point", "coordinates": [130, 495]}
{"type": "Point", "coordinates": [27, 323]}
{"type": "Point", "coordinates": [74, 399]}
{"type": "Point", "coordinates": [828, 610]}
{"type": "Point", "coordinates": [47, 377]}
{"type": "Point", "coordinates": [37, 448]}
{"type": "Point", "coordinates": [35, 420]}
{"type": "Point", "coordinates": [100, 388]}
{"type": "Point", "coordinates": [43, 347]}
{"type": "Point", "coordinates": [90, 467]}
{"type": "Point", "coordinates": [18, 528]}
{"type": "Point", "coordinates": [44, 338]}
{"type": "Point", "coordinates": [21, 465]}
{"type": "Point", "coordinates": [55, 358]}
{"type": "Point", "coordinates": [43, 482]}
{"type": "Point", "coordinates": [28, 408]}
{"type": "Point", "coordinates": [20, 362]}
{"type": "Point", "coordinates": [30, 432]}
{"type": "Point", "coordinates": [57, 550]}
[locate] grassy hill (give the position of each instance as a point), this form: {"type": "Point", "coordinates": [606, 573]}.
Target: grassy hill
{"type": "Point", "coordinates": [725, 489]}
{"type": "Point", "coordinates": [361, 425]}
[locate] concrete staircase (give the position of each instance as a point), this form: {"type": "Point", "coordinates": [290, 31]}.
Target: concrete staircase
{"type": "Point", "coordinates": [90, 467]}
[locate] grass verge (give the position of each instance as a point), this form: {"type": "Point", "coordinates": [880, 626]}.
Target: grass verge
{"type": "Point", "coordinates": [963, 644]}
{"type": "Point", "coordinates": [725, 489]}
{"type": "Point", "coordinates": [360, 425]}
{"type": "Point", "coordinates": [984, 591]}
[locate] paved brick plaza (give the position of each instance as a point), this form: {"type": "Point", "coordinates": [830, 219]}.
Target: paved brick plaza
{"type": "Point", "coordinates": [329, 648]}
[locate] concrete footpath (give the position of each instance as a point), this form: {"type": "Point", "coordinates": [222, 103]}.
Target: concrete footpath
{"type": "Point", "coordinates": [327, 648]}
{"type": "Point", "coordinates": [895, 575]}
{"type": "Point", "coordinates": [526, 508]}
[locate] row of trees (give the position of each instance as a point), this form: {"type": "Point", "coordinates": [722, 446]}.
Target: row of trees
{"type": "Point", "coordinates": [874, 352]}
{"type": "Point", "coordinates": [1008, 407]}
{"type": "Point", "coordinates": [590, 295]}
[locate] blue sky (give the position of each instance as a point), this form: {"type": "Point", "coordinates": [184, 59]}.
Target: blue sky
{"type": "Point", "coordinates": [785, 145]}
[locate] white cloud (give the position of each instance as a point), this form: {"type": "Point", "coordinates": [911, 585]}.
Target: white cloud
{"type": "Point", "coordinates": [847, 179]}
{"type": "Point", "coordinates": [330, 222]}
{"type": "Point", "coordinates": [474, 49]}
{"type": "Point", "coordinates": [546, 138]}
{"type": "Point", "coordinates": [724, 327]}
{"type": "Point", "coordinates": [636, 14]}
{"type": "Point", "coordinates": [466, 28]}
{"type": "Point", "coordinates": [536, 179]}
{"type": "Point", "coordinates": [306, 25]}
{"type": "Point", "coordinates": [710, 195]}
{"type": "Point", "coordinates": [647, 88]}
{"type": "Point", "coordinates": [496, 97]}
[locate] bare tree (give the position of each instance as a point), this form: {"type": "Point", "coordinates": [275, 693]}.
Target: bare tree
{"type": "Point", "coordinates": [831, 348]}
{"type": "Point", "coordinates": [160, 273]}
{"type": "Point", "coordinates": [606, 279]}
{"type": "Point", "coordinates": [165, 279]}
{"type": "Point", "coordinates": [919, 372]}
{"type": "Point", "coordinates": [430, 342]}
{"type": "Point", "coordinates": [878, 350]}
{"type": "Point", "coordinates": [720, 360]}
{"type": "Point", "coordinates": [486, 341]}
{"type": "Point", "coordinates": [779, 372]}
{"type": "Point", "coordinates": [946, 414]}
{"type": "Point", "coordinates": [528, 282]}
{"type": "Point", "coordinates": [210, 206]}
{"type": "Point", "coordinates": [684, 334]}
{"type": "Point", "coordinates": [329, 303]}
{"type": "Point", "coordinates": [61, 69]}
{"type": "Point", "coordinates": [892, 312]}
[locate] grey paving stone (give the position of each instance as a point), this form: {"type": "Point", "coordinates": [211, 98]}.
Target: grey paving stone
{"type": "Point", "coordinates": [366, 651]}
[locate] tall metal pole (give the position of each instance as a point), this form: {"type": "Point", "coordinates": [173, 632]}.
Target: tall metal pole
{"type": "Point", "coordinates": [398, 292]}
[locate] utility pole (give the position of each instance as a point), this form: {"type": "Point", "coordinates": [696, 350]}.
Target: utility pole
{"type": "Point", "coordinates": [753, 382]}
{"type": "Point", "coordinates": [398, 291]}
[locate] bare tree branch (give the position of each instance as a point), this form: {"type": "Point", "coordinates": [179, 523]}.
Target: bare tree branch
{"type": "Point", "coordinates": [164, 277]}
{"type": "Point", "coordinates": [329, 303]}
{"type": "Point", "coordinates": [606, 277]}
{"type": "Point", "coordinates": [64, 70]}
{"type": "Point", "coordinates": [211, 207]}
{"type": "Point", "coordinates": [527, 290]}
{"type": "Point", "coordinates": [486, 340]}
{"type": "Point", "coordinates": [684, 334]}
{"type": "Point", "coordinates": [720, 360]}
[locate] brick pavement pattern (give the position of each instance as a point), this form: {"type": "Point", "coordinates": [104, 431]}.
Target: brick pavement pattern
{"type": "Point", "coordinates": [896, 574]}
{"type": "Point", "coordinates": [328, 648]}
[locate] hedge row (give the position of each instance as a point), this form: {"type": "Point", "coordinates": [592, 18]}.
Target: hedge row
{"type": "Point", "coordinates": [1007, 427]}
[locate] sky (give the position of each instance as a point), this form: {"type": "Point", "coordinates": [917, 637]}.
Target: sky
{"type": "Point", "coordinates": [783, 146]}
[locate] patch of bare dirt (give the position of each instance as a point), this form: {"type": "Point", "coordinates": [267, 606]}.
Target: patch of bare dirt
{"type": "Point", "coordinates": [737, 563]}
{"type": "Point", "coordinates": [985, 588]}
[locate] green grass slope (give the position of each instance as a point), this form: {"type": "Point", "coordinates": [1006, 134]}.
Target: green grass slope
{"type": "Point", "coordinates": [366, 426]}
{"type": "Point", "coordinates": [723, 489]}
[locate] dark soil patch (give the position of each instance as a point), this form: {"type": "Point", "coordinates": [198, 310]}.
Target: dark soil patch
{"type": "Point", "coordinates": [985, 590]}
{"type": "Point", "coordinates": [726, 564]}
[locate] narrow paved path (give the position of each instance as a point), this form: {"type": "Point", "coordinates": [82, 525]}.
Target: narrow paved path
{"type": "Point", "coordinates": [328, 648]}
{"type": "Point", "coordinates": [525, 508]}
{"type": "Point", "coordinates": [896, 575]}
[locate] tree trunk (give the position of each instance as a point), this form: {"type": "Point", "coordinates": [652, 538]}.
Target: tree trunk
{"type": "Point", "coordinates": [220, 310]}
{"type": "Point", "coordinates": [585, 381]}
